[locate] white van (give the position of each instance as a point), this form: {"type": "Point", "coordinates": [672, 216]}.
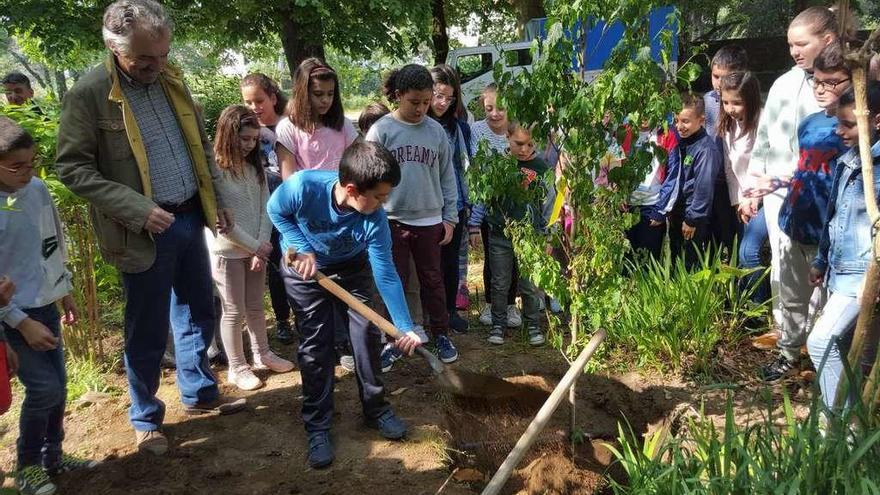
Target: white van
{"type": "Point", "coordinates": [475, 65]}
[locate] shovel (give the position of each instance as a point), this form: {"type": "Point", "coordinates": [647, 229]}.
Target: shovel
{"type": "Point", "coordinates": [459, 382]}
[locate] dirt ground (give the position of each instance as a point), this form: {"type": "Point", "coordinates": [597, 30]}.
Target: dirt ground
{"type": "Point", "coordinates": [454, 445]}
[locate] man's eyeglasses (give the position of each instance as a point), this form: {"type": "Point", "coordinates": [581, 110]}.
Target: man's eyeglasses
{"type": "Point", "coordinates": [443, 98]}
{"type": "Point", "coordinates": [828, 85]}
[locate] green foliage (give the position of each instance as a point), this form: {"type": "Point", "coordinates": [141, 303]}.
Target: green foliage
{"type": "Point", "coordinates": [213, 92]}
{"type": "Point", "coordinates": [498, 179]}
{"type": "Point", "coordinates": [88, 376]}
{"type": "Point", "coordinates": [563, 105]}
{"type": "Point", "coordinates": [672, 319]}
{"type": "Point", "coordinates": [804, 456]}
{"type": "Point", "coordinates": [62, 34]}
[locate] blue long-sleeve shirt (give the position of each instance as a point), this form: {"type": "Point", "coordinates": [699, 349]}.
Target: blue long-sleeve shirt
{"type": "Point", "coordinates": [304, 211]}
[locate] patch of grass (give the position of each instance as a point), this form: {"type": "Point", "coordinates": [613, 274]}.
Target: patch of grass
{"type": "Point", "coordinates": [673, 319]}
{"type": "Point", "coordinates": [88, 376]}
{"type": "Point", "coordinates": [436, 440]}
{"type": "Point", "coordinates": [803, 456]}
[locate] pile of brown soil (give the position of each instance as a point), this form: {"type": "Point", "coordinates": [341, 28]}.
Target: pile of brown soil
{"type": "Point", "coordinates": [484, 431]}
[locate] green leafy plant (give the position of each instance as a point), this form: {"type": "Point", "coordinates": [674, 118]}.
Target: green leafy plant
{"type": "Point", "coordinates": [673, 319]}
{"type": "Point", "coordinates": [568, 111]}
{"type": "Point", "coordinates": [801, 456]}
{"type": "Point", "coordinates": [213, 92]}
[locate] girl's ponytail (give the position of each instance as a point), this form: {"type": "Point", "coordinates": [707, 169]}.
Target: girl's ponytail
{"type": "Point", "coordinates": [389, 86]}
{"type": "Point", "coordinates": [820, 20]}
{"type": "Point", "coordinates": [411, 77]}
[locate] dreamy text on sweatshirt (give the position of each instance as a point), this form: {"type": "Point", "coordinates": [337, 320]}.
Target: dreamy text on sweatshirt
{"type": "Point", "coordinates": [427, 186]}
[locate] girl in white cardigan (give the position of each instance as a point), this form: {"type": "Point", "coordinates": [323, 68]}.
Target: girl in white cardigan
{"type": "Point", "coordinates": [740, 94]}
{"type": "Point", "coordinates": [239, 268]}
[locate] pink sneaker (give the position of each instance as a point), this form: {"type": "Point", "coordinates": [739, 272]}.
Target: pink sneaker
{"type": "Point", "coordinates": [462, 300]}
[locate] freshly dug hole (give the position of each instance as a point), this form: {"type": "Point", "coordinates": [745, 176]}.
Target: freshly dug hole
{"type": "Point", "coordinates": [484, 431]}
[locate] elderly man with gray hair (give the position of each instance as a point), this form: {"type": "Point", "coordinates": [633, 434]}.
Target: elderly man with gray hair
{"type": "Point", "coordinates": [132, 143]}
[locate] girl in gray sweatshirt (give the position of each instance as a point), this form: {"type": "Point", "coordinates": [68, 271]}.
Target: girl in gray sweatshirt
{"type": "Point", "coordinates": [423, 209]}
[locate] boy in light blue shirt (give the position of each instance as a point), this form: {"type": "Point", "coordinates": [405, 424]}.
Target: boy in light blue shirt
{"type": "Point", "coordinates": [334, 222]}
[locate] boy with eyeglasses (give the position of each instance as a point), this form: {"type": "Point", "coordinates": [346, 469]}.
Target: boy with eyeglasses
{"type": "Point", "coordinates": [32, 254]}
{"type": "Point", "coordinates": [804, 211]}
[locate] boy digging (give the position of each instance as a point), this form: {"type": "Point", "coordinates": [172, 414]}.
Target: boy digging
{"type": "Point", "coordinates": [334, 222]}
{"type": "Point", "coordinates": [32, 254]}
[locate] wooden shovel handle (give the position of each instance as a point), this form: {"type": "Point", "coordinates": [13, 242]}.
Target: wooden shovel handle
{"type": "Point", "coordinates": [368, 313]}
{"type": "Point", "coordinates": [355, 304]}
{"type": "Point", "coordinates": [374, 317]}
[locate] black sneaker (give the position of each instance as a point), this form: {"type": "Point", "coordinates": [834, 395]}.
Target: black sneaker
{"type": "Point", "coordinates": [456, 323]}
{"type": "Point", "coordinates": [283, 333]}
{"type": "Point", "coordinates": [320, 449]}
{"type": "Point", "coordinates": [779, 368]}
{"type": "Point", "coordinates": [34, 480]}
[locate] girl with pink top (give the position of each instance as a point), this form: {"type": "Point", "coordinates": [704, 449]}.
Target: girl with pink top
{"type": "Point", "coordinates": [316, 131]}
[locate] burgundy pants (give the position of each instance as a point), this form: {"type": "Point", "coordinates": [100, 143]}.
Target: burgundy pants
{"type": "Point", "coordinates": [423, 244]}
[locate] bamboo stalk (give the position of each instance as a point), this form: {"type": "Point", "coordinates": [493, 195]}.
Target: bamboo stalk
{"type": "Point", "coordinates": [543, 417]}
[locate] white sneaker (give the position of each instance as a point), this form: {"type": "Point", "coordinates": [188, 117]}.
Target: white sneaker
{"type": "Point", "coordinates": [420, 331]}
{"type": "Point", "coordinates": [271, 361]}
{"type": "Point", "coordinates": [486, 315]}
{"type": "Point", "coordinates": [514, 318]}
{"type": "Point", "coordinates": [536, 337]}
{"type": "Point", "coordinates": [244, 379]}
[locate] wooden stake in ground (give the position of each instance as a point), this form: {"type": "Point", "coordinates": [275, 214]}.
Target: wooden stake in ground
{"type": "Point", "coordinates": [543, 417]}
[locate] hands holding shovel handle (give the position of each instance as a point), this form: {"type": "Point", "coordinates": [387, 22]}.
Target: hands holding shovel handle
{"type": "Point", "coordinates": [305, 265]}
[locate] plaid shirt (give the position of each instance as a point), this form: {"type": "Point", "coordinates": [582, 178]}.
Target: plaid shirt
{"type": "Point", "coordinates": [171, 168]}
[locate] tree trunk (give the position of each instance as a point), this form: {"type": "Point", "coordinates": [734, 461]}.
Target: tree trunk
{"type": "Point", "coordinates": [302, 35]}
{"type": "Point", "coordinates": [527, 10]}
{"type": "Point", "coordinates": [439, 34]}
{"type": "Point", "coordinates": [60, 83]}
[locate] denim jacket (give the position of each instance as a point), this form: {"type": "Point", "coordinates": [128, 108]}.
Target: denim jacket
{"type": "Point", "coordinates": [846, 248]}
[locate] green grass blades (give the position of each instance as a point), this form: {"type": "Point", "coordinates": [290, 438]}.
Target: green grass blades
{"type": "Point", "coordinates": [673, 319]}
{"type": "Point", "coordinates": [84, 376]}
{"type": "Point", "coordinates": [773, 455]}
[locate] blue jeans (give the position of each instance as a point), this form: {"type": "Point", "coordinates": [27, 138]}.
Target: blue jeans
{"type": "Point", "coordinates": [829, 343]}
{"type": "Point", "coordinates": [752, 237]}
{"type": "Point", "coordinates": [179, 282]}
{"type": "Point", "coordinates": [318, 314]}
{"type": "Point", "coordinates": [41, 424]}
